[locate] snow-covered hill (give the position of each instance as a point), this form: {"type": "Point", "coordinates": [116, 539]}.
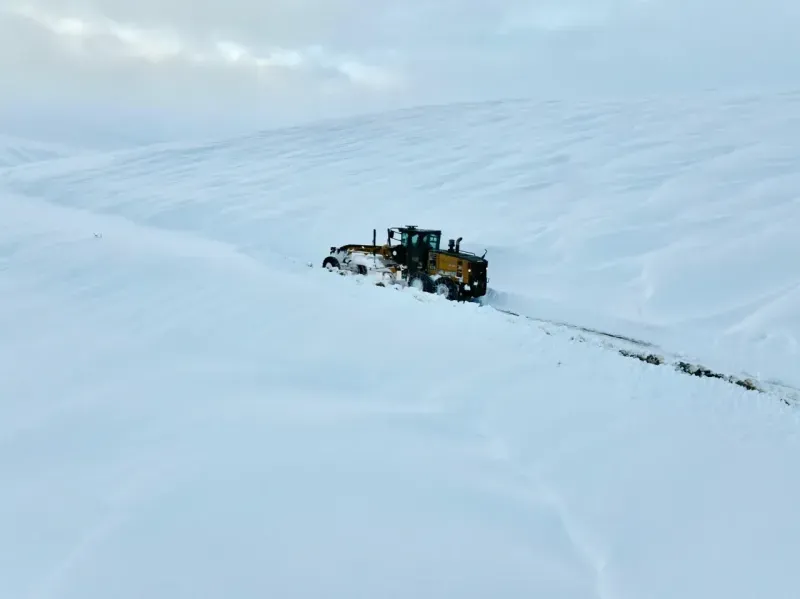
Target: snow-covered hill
{"type": "Point", "coordinates": [669, 220]}
{"type": "Point", "coordinates": [186, 409]}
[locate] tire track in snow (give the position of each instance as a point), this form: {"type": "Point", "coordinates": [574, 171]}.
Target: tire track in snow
{"type": "Point", "coordinates": [650, 353]}
{"type": "Point", "coordinates": [528, 485]}
{"type": "Point", "coordinates": [131, 490]}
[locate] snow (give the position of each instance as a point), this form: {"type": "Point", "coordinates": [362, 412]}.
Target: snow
{"type": "Point", "coordinates": [15, 151]}
{"type": "Point", "coordinates": [187, 409]}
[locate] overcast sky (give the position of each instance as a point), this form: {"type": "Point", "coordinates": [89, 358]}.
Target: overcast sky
{"type": "Point", "coordinates": [265, 61]}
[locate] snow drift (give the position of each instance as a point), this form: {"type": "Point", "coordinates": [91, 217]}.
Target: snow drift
{"type": "Point", "coordinates": [187, 409]}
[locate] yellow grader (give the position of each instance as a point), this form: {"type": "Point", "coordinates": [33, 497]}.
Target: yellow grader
{"type": "Point", "coordinates": [416, 260]}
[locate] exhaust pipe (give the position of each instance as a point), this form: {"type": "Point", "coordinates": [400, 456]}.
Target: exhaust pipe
{"type": "Point", "coordinates": [458, 244]}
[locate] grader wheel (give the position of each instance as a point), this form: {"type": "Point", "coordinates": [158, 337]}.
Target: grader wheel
{"type": "Point", "coordinates": [331, 263]}
{"type": "Point", "coordinates": [447, 288]}
{"type": "Point", "coordinates": [421, 281]}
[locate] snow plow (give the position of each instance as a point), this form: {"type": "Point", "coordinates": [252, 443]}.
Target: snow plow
{"type": "Point", "coordinates": [415, 259]}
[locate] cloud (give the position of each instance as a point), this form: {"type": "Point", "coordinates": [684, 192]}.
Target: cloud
{"type": "Point", "coordinates": [97, 40]}
{"type": "Point", "coordinates": [558, 16]}
{"type": "Point", "coordinates": [279, 60]}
